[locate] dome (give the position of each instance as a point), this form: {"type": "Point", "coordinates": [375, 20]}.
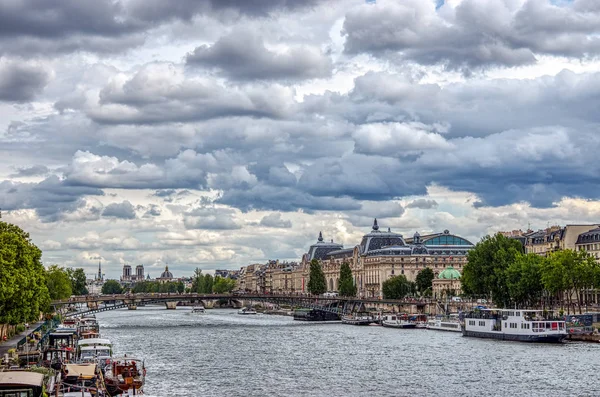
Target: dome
{"type": "Point", "coordinates": [166, 273]}
{"type": "Point", "coordinates": [449, 273]}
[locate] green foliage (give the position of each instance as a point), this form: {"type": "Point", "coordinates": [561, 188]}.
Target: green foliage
{"type": "Point", "coordinates": [58, 283]}
{"type": "Point", "coordinates": [180, 287]}
{"type": "Point", "coordinates": [23, 290]}
{"type": "Point", "coordinates": [570, 272]}
{"type": "Point", "coordinates": [424, 281]}
{"type": "Point", "coordinates": [397, 287]}
{"type": "Point", "coordinates": [484, 274]}
{"type": "Point", "coordinates": [111, 287]}
{"type": "Point", "coordinates": [77, 277]}
{"type": "Point", "coordinates": [223, 285]}
{"type": "Point", "coordinates": [524, 279]}
{"type": "Point", "coordinates": [346, 286]}
{"type": "Point", "coordinates": [316, 283]}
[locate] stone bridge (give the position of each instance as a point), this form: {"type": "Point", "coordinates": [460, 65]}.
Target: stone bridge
{"type": "Point", "coordinates": [89, 304]}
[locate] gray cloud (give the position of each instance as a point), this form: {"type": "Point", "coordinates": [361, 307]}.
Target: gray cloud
{"type": "Point", "coordinates": [243, 55]}
{"type": "Point", "coordinates": [275, 220]}
{"type": "Point", "coordinates": [123, 210]}
{"type": "Point", "coordinates": [424, 204]}
{"type": "Point", "coordinates": [478, 33]}
{"type": "Point", "coordinates": [51, 198]}
{"type": "Point", "coordinates": [211, 218]}
{"type": "Point", "coordinates": [34, 170]}
{"type": "Point", "coordinates": [160, 93]}
{"type": "Point", "coordinates": [20, 82]}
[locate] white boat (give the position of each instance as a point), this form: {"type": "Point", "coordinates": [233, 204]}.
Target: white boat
{"type": "Point", "coordinates": [397, 321]}
{"type": "Point", "coordinates": [246, 310]}
{"type": "Point", "coordinates": [198, 309]}
{"type": "Point", "coordinates": [514, 324]}
{"type": "Point", "coordinates": [358, 319]}
{"type": "Point", "coordinates": [445, 323]}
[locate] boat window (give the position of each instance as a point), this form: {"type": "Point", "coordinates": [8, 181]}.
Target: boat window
{"type": "Point", "coordinates": [518, 314]}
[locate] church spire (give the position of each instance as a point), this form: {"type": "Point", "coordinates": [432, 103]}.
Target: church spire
{"type": "Point", "coordinates": [320, 239]}
{"type": "Point", "coordinates": [375, 226]}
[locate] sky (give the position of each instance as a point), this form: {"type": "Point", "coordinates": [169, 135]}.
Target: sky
{"type": "Point", "coordinates": [219, 133]}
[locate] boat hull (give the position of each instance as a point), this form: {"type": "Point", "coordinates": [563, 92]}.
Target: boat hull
{"type": "Point", "coordinates": [402, 326]}
{"type": "Point", "coordinates": [357, 322]}
{"type": "Point", "coordinates": [444, 329]}
{"type": "Point", "coordinates": [554, 338]}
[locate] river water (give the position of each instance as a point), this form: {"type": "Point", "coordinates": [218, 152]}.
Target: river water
{"type": "Point", "coordinates": [221, 353]}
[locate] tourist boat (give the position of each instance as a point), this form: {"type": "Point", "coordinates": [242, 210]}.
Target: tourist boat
{"type": "Point", "coordinates": [358, 319]}
{"type": "Point", "coordinates": [21, 383]}
{"type": "Point", "coordinates": [514, 324]}
{"type": "Point", "coordinates": [125, 375]}
{"type": "Point", "coordinates": [246, 310]}
{"type": "Point", "coordinates": [445, 323]}
{"type": "Point", "coordinates": [198, 309]}
{"type": "Point", "coordinates": [98, 347]}
{"type": "Point", "coordinates": [398, 321]}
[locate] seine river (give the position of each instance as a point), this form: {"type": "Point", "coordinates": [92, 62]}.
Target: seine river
{"type": "Point", "coordinates": [221, 353]}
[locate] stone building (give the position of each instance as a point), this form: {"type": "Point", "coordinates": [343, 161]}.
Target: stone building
{"type": "Point", "coordinates": [447, 283]}
{"type": "Point", "coordinates": [590, 242]}
{"type": "Point", "coordinates": [379, 256]}
{"type": "Point", "coordinates": [555, 238]}
{"type": "Point", "coordinates": [166, 276]}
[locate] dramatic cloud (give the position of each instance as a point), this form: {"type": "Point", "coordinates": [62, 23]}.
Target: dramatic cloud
{"type": "Point", "coordinates": [473, 33]}
{"type": "Point", "coordinates": [161, 93]}
{"type": "Point", "coordinates": [20, 82]}
{"type": "Point", "coordinates": [242, 55]}
{"type": "Point", "coordinates": [188, 132]}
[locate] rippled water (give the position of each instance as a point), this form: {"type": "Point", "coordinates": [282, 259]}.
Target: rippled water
{"type": "Point", "coordinates": [221, 353]}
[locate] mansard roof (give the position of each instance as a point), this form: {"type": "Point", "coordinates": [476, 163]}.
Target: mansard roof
{"type": "Point", "coordinates": [321, 248]}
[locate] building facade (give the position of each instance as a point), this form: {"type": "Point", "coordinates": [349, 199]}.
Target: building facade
{"type": "Point", "coordinates": [379, 256]}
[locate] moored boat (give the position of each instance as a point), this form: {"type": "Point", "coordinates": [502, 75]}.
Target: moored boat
{"type": "Point", "coordinates": [398, 321]}
{"type": "Point", "coordinates": [445, 323]}
{"type": "Point", "coordinates": [515, 325]}
{"type": "Point", "coordinates": [358, 319]}
{"type": "Point", "coordinates": [125, 375]}
{"type": "Point", "coordinates": [21, 383]}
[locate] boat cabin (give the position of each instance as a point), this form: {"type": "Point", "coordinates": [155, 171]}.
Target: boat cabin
{"type": "Point", "coordinates": [518, 324]}
{"type": "Point", "coordinates": [21, 384]}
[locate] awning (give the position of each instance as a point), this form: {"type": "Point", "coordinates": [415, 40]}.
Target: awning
{"type": "Point", "coordinates": [83, 371]}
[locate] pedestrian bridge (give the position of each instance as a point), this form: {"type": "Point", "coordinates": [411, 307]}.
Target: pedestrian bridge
{"type": "Point", "coordinates": [90, 304]}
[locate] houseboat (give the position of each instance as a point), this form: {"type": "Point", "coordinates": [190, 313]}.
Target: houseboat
{"type": "Point", "coordinates": [515, 325]}
{"type": "Point", "coordinates": [358, 319]}
{"type": "Point", "coordinates": [398, 321]}
{"type": "Point", "coordinates": [445, 323]}
{"type": "Point", "coordinates": [21, 383]}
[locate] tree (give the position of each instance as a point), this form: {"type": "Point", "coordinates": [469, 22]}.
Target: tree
{"type": "Point", "coordinates": [197, 280]}
{"type": "Point", "coordinates": [424, 280]}
{"type": "Point", "coordinates": [484, 274]}
{"type": "Point", "coordinates": [208, 284]}
{"type": "Point", "coordinates": [524, 279]}
{"type": "Point", "coordinates": [23, 290]}
{"type": "Point", "coordinates": [180, 287]}
{"type": "Point", "coordinates": [316, 282]}
{"type": "Point", "coordinates": [223, 285]}
{"type": "Point", "coordinates": [397, 287]}
{"type": "Point", "coordinates": [111, 287]}
{"type": "Point", "coordinates": [77, 277]}
{"type": "Point", "coordinates": [58, 283]}
{"type": "Point", "coordinates": [346, 283]}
